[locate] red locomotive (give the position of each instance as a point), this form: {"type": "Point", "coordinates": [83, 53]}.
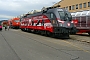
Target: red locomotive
{"type": "Point", "coordinates": [52, 21]}
{"type": "Point", "coordinates": [83, 18]}
{"type": "Point", "coordinates": [14, 23]}
{"type": "Point", "coordinates": [5, 24]}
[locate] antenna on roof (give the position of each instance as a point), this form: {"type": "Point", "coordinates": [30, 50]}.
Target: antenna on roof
{"type": "Point", "coordinates": [57, 6]}
{"type": "Point", "coordinates": [53, 7]}
{"type": "Point", "coordinates": [36, 11]}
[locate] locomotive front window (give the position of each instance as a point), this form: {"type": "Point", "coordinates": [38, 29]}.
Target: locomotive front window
{"type": "Point", "coordinates": [17, 21]}
{"type": "Point", "coordinates": [64, 15]}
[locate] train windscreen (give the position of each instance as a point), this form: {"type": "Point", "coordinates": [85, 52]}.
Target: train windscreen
{"type": "Point", "coordinates": [17, 21]}
{"type": "Point", "coordinates": [64, 15]}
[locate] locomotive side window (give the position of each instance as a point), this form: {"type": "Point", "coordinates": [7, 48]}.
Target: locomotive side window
{"type": "Point", "coordinates": [21, 19]}
{"type": "Point", "coordinates": [52, 16]}
{"type": "Point", "coordinates": [53, 19]}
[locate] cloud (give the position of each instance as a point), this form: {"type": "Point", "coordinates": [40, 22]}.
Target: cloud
{"type": "Point", "coordinates": [6, 16]}
{"type": "Point", "coordinates": [18, 7]}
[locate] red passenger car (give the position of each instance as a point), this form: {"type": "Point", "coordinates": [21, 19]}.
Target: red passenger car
{"type": "Point", "coordinates": [4, 23]}
{"type": "Point", "coordinates": [83, 18]}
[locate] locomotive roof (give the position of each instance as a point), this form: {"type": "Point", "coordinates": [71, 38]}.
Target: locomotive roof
{"type": "Point", "coordinates": [49, 10]}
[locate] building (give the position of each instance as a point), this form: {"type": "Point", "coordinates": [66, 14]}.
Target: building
{"type": "Point", "coordinates": [74, 5]}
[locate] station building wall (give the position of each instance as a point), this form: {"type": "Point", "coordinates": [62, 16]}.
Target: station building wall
{"type": "Point", "coordinates": [74, 5]}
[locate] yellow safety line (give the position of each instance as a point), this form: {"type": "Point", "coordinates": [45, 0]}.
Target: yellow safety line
{"type": "Point", "coordinates": [71, 44]}
{"type": "Point", "coordinates": [77, 46]}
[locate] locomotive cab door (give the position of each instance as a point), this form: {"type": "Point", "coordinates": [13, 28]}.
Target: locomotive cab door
{"type": "Point", "coordinates": [53, 19]}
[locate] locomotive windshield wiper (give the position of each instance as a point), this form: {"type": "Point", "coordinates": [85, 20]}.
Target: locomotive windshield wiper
{"type": "Point", "coordinates": [68, 17]}
{"type": "Point", "coordinates": [62, 15]}
{"type": "Point", "coordinates": [65, 15]}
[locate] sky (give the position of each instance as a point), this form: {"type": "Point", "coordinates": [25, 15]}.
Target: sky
{"type": "Point", "coordinates": [13, 8]}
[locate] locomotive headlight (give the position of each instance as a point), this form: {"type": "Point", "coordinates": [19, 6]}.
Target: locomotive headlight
{"type": "Point", "coordinates": [68, 24]}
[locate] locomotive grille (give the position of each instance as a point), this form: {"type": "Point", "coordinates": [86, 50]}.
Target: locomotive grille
{"type": "Point", "coordinates": [60, 30]}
